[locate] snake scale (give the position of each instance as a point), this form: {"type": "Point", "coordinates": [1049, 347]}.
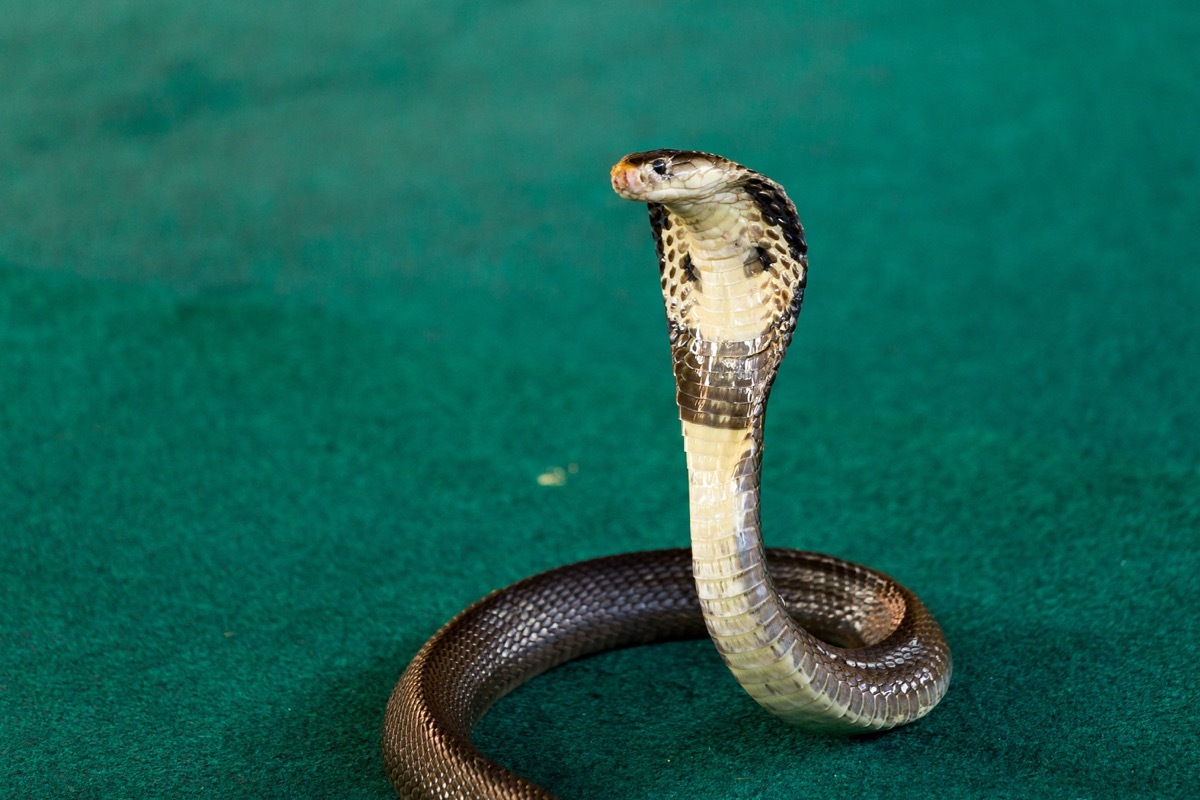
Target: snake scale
{"type": "Point", "coordinates": [820, 642]}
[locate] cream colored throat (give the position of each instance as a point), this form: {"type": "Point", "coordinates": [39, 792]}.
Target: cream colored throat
{"type": "Point", "coordinates": [732, 298]}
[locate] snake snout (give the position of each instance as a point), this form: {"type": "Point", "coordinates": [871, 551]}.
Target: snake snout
{"type": "Point", "coordinates": [627, 181]}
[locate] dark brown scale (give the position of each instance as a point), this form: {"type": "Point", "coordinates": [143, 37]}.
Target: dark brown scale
{"type": "Point", "coordinates": [658, 223]}
{"type": "Point", "coordinates": [759, 261]}
{"type": "Point", "coordinates": [777, 210]}
{"type": "Point", "coordinates": [719, 390]}
{"type": "Point", "coordinates": [650, 156]}
{"type": "Point", "coordinates": [689, 270]}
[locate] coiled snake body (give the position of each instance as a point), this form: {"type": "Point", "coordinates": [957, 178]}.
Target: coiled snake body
{"type": "Point", "coordinates": [820, 642]}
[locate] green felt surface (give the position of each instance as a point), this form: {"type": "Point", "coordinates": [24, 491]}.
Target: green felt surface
{"type": "Point", "coordinates": [297, 301]}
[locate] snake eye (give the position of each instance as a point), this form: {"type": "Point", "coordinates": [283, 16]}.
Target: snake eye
{"type": "Point", "coordinates": [660, 166]}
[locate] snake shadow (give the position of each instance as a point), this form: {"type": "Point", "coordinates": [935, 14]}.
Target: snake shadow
{"type": "Point", "coordinates": [665, 720]}
{"type": "Point", "coordinates": [322, 738]}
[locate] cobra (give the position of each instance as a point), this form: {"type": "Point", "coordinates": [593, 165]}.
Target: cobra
{"type": "Point", "coordinates": [819, 642]}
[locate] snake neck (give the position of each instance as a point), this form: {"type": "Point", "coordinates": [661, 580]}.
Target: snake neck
{"type": "Point", "coordinates": [732, 285]}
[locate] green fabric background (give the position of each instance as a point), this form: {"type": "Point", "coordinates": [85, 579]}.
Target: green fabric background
{"type": "Point", "coordinates": [297, 301]}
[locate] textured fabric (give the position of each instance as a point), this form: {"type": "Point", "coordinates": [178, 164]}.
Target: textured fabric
{"type": "Point", "coordinates": [320, 321]}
